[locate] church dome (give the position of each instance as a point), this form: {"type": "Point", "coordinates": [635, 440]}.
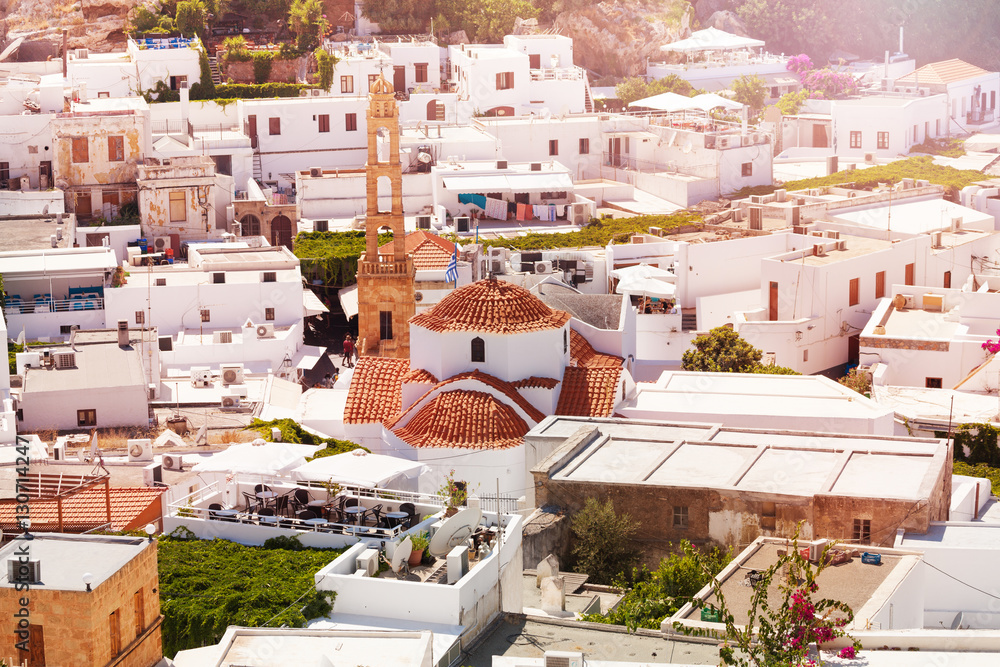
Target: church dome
{"type": "Point", "coordinates": [381, 86]}
{"type": "Point", "coordinates": [491, 306]}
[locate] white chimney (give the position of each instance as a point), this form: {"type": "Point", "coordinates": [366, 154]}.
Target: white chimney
{"type": "Point", "coordinates": [185, 103]}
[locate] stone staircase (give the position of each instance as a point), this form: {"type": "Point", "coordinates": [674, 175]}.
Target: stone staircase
{"type": "Point", "coordinates": [689, 319]}
{"type": "Point", "coordinates": [258, 172]}
{"type": "Point", "coordinates": [213, 66]}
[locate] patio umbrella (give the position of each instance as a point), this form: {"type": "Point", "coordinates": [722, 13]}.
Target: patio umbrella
{"type": "Point", "coordinates": [665, 102]}
{"type": "Point", "coordinates": [712, 39]}
{"type": "Point", "coordinates": [708, 101]}
{"type": "Point", "coordinates": [271, 458]}
{"type": "Point", "coordinates": [646, 280]}
{"type": "Point", "coordinates": [642, 271]}
{"type": "Point", "coordinates": [359, 468]}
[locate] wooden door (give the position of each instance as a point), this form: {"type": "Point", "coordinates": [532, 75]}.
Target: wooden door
{"type": "Point", "coordinates": [83, 208]}
{"type": "Point", "coordinates": [399, 78]}
{"type": "Point", "coordinates": [947, 279]}
{"type": "Point", "coordinates": [252, 130]}
{"type": "Point", "coordinates": [910, 274]}
{"type": "Point", "coordinates": [45, 172]}
{"type": "Point", "coordinates": [535, 60]}
{"type": "Point", "coordinates": [35, 655]}
{"type": "Point", "coordinates": [819, 136]}
{"type": "Point", "coordinates": [615, 151]}
{"type": "Point", "coordinates": [854, 349]}
{"type": "Point", "coordinates": [281, 231]}
{"type": "Point", "coordinates": [772, 303]}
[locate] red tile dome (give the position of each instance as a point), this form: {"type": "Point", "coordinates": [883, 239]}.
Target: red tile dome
{"type": "Point", "coordinates": [491, 306]}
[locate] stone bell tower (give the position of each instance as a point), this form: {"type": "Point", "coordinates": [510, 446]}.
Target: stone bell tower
{"type": "Point", "coordinates": [386, 287]}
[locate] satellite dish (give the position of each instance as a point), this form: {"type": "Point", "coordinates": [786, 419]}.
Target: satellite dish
{"type": "Point", "coordinates": [402, 554]}
{"type": "Point", "coordinates": [424, 157]}
{"type": "Point", "coordinates": [202, 437]}
{"type": "Point", "coordinates": [687, 147]}
{"type": "Point", "coordinates": [455, 531]}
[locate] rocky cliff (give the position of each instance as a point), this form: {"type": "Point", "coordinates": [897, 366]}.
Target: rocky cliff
{"type": "Point", "coordinates": [91, 24]}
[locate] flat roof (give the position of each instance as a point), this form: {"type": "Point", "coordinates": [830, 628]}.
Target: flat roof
{"type": "Point", "coordinates": [919, 323]}
{"type": "Point", "coordinates": [65, 558]}
{"type": "Point", "coordinates": [99, 364]}
{"type": "Point", "coordinates": [914, 217]}
{"type": "Point", "coordinates": [976, 535]}
{"type": "Point", "coordinates": [852, 582]}
{"type": "Point", "coordinates": [746, 460]}
{"type": "Point", "coordinates": [857, 246]}
{"type": "Point", "coordinates": [33, 233]}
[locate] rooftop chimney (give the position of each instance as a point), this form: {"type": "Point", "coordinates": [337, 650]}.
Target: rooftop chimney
{"type": "Point", "coordinates": [122, 333]}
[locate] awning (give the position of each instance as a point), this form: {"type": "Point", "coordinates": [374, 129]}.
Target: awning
{"type": "Point", "coordinates": [308, 356]}
{"type": "Point", "coordinates": [349, 300]}
{"type": "Point", "coordinates": [664, 102]}
{"type": "Point", "coordinates": [708, 101]}
{"type": "Point", "coordinates": [311, 305]}
{"type": "Point", "coordinates": [358, 468]}
{"type": "Point", "coordinates": [270, 458]}
{"type": "Point", "coordinates": [712, 39]}
{"type": "Point", "coordinates": [537, 181]}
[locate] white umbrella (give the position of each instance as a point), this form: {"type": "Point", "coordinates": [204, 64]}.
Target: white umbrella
{"type": "Point", "coordinates": [272, 458]}
{"type": "Point", "coordinates": [712, 39]}
{"type": "Point", "coordinates": [642, 271]}
{"type": "Point", "coordinates": [708, 101]}
{"type": "Point", "coordinates": [358, 468]}
{"type": "Point", "coordinates": [647, 287]}
{"type": "Point", "coordinates": [665, 102]}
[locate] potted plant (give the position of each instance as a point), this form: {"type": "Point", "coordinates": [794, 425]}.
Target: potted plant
{"type": "Point", "coordinates": [420, 544]}
{"type": "Point", "coordinates": [455, 492]}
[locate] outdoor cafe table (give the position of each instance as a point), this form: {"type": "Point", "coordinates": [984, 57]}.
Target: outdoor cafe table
{"type": "Point", "coordinates": [315, 523]}
{"type": "Point", "coordinates": [395, 518]}
{"type": "Point", "coordinates": [225, 515]}
{"type": "Point", "coordinates": [355, 512]}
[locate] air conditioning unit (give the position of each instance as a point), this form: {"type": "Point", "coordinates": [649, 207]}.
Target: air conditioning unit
{"type": "Point", "coordinates": [65, 360]}
{"type": "Point", "coordinates": [82, 54]}
{"type": "Point", "coordinates": [722, 142]}
{"type": "Point", "coordinates": [580, 215]}
{"type": "Point", "coordinates": [315, 172]}
{"type": "Point", "coordinates": [746, 140]}
{"type": "Point", "coordinates": [321, 225]}
{"type": "Point", "coordinates": [237, 390]}
{"type": "Point", "coordinates": [140, 450]}
{"type": "Point", "coordinates": [841, 245]}
{"type": "Point", "coordinates": [201, 377]}
{"type": "Point", "coordinates": [367, 561]}
{"type": "Point", "coordinates": [461, 224]}
{"type": "Point", "coordinates": [152, 475]}
{"type": "Point", "coordinates": [173, 462]}
{"type": "Point", "coordinates": [819, 250]}
{"type": "Point", "coordinates": [423, 222]}
{"type": "Point", "coordinates": [265, 331]}
{"type": "Point", "coordinates": [230, 402]}
{"type": "Point", "coordinates": [536, 166]}
{"type": "Point", "coordinates": [501, 164]}
{"type": "Point", "coordinates": [33, 575]}
{"type": "Point", "coordinates": [903, 301]}
{"type": "Point", "coordinates": [457, 563]}
{"type": "Point", "coordinates": [869, 157]}
{"type": "Point", "coordinates": [316, 92]}
{"type": "Point", "coordinates": [543, 267]}
{"type": "Point", "coordinates": [562, 659]}
{"type": "Point", "coordinates": [498, 267]}
{"type": "Point", "coordinates": [232, 373]}
{"type": "Point", "coordinates": [303, 93]}
{"type": "Point", "coordinates": [161, 243]}
{"type": "Point", "coordinates": [222, 337]}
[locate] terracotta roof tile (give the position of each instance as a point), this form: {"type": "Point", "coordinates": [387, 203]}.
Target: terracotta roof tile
{"type": "Point", "coordinates": [419, 376]}
{"type": "Point", "coordinates": [131, 508]}
{"type": "Point", "coordinates": [943, 72]}
{"type": "Point", "coordinates": [496, 383]}
{"type": "Point", "coordinates": [535, 382]}
{"type": "Point", "coordinates": [491, 306]}
{"type": "Point", "coordinates": [586, 356]}
{"type": "Point", "coordinates": [466, 419]}
{"type": "Point", "coordinates": [376, 392]}
{"type": "Point", "coordinates": [429, 251]}
{"type": "Point", "coordinates": [588, 392]}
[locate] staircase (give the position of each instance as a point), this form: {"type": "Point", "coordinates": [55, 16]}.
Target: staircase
{"type": "Point", "coordinates": [689, 319]}
{"type": "Point", "coordinates": [258, 172]}
{"type": "Point", "coordinates": [213, 66]}
{"type": "Point", "coordinates": [588, 101]}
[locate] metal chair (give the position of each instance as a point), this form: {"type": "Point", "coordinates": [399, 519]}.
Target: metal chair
{"type": "Point", "coordinates": [281, 504]}
{"type": "Point", "coordinates": [299, 499]}
{"type": "Point", "coordinates": [411, 511]}
{"type": "Point", "coordinates": [375, 513]}
{"type": "Point", "coordinates": [212, 509]}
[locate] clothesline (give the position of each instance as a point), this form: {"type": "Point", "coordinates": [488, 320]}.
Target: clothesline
{"type": "Point", "coordinates": [498, 209]}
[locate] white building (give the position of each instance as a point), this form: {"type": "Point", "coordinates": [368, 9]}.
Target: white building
{"type": "Point", "coordinates": [886, 126]}
{"type": "Point", "coordinates": [970, 92]}
{"type": "Point", "coordinates": [144, 64]}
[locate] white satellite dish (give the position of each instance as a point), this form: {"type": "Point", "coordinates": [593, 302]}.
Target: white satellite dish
{"type": "Point", "coordinates": [455, 531]}
{"type": "Point", "coordinates": [202, 437]}
{"type": "Point", "coordinates": [424, 157]}
{"type": "Point", "coordinates": [401, 554]}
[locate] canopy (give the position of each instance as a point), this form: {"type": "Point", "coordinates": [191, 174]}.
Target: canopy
{"type": "Point", "coordinates": [311, 305]}
{"type": "Point", "coordinates": [665, 102]}
{"type": "Point", "coordinates": [708, 101]}
{"type": "Point", "coordinates": [638, 271]}
{"type": "Point", "coordinates": [712, 39]}
{"type": "Point", "coordinates": [349, 300]}
{"type": "Point", "coordinates": [358, 468]}
{"type": "Point", "coordinates": [270, 458]}
{"type": "Point", "coordinates": [644, 279]}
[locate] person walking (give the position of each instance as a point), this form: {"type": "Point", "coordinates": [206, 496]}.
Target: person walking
{"type": "Point", "coordinates": [348, 359]}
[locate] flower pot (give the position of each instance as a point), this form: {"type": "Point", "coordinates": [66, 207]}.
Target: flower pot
{"type": "Point", "coordinates": [451, 511]}
{"type": "Point", "coordinates": [415, 557]}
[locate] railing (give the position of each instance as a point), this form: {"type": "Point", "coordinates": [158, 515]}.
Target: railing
{"type": "Point", "coordinates": [733, 60]}
{"type": "Point", "coordinates": [385, 268]}
{"type": "Point", "coordinates": [500, 504]}
{"type": "Point", "coordinates": [288, 523]}
{"type": "Point", "coordinates": [557, 74]}
{"type": "Point", "coordinates": [15, 307]}
{"type": "Point", "coordinates": [172, 126]}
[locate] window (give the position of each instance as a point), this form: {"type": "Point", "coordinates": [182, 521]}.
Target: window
{"type": "Point", "coordinates": [218, 278]}
{"type": "Point", "coordinates": [324, 122]}
{"type": "Point", "coordinates": [946, 281]}
{"type": "Point", "coordinates": [420, 72]}
{"type": "Point", "coordinates": [680, 516]}
{"type": "Point", "coordinates": [269, 314]}
{"type": "Point", "coordinates": [862, 531]}
{"type": "Point", "coordinates": [178, 210]}
{"type": "Point", "coordinates": [883, 140]}
{"type": "Point", "coordinates": [103, 94]}
{"type": "Point", "coordinates": [140, 613]}
{"type": "Point", "coordinates": [855, 139]}
{"type": "Point", "coordinates": [805, 355]}
{"type": "Point", "coordinates": [32, 150]}
{"type": "Point", "coordinates": [478, 350]}
{"type": "Point", "coordinates": [274, 126]}
{"type": "Point", "coordinates": [385, 325]}
{"type": "Point", "coordinates": [880, 285]}
{"type": "Point", "coordinates": [351, 122]}
{"type": "Point", "coordinates": [932, 383]}
{"type": "Point", "coordinates": [4, 174]}
{"type": "Point", "coordinates": [270, 277]}
{"type": "Point", "coordinates": [565, 341]}
{"type": "Point", "coordinates": [855, 292]}
{"type": "Point", "coordinates": [768, 514]}
{"type": "Point", "coordinates": [140, 317]}
{"type": "Point", "coordinates": [86, 417]}
{"type": "Point", "coordinates": [178, 82]}
{"type": "Point", "coordinates": [909, 274]}
{"type": "Point", "coordinates": [347, 84]}
{"type": "Point", "coordinates": [553, 147]}
{"type": "Point", "coordinates": [993, 99]}
{"type": "Point", "coordinates": [937, 127]}
{"type": "Point", "coordinates": [65, 329]}
{"type": "Point", "coordinates": [206, 315]}
{"type": "Point", "coordinates": [584, 146]}
{"type": "Point", "coordinates": [505, 80]}
{"type": "Point", "coordinates": [116, 149]}
{"type": "Point", "coordinates": [747, 169]}
{"type": "Point", "coordinates": [81, 149]}
{"type": "Point", "coordinates": [116, 633]}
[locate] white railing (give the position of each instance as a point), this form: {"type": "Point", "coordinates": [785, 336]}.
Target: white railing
{"type": "Point", "coordinates": [18, 307]}
{"type": "Point", "coordinates": [557, 74]}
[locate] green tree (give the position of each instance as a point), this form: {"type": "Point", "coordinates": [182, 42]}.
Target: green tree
{"type": "Point", "coordinates": [190, 18]}
{"type": "Point", "coordinates": [305, 19]}
{"type": "Point", "coordinates": [981, 441]}
{"type": "Point", "coordinates": [721, 350]}
{"type": "Point", "coordinates": [143, 20]}
{"type": "Point", "coordinates": [603, 548]}
{"type": "Point", "coordinates": [636, 88]}
{"type": "Point", "coordinates": [400, 15]}
{"type": "Point", "coordinates": [325, 64]}
{"type": "Point", "coordinates": [791, 103]}
{"type": "Point", "coordinates": [752, 91]}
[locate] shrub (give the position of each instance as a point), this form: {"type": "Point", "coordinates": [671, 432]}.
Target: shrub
{"type": "Point", "coordinates": [190, 17]}
{"type": "Point", "coordinates": [858, 381]}
{"type": "Point", "coordinates": [603, 548]}
{"type": "Point", "coordinates": [324, 67]}
{"type": "Point", "coordinates": [236, 49]}
{"type": "Point", "coordinates": [263, 61]}
{"type": "Point", "coordinates": [981, 442]}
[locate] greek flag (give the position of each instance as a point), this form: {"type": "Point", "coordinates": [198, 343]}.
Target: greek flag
{"type": "Point", "coordinates": [451, 275]}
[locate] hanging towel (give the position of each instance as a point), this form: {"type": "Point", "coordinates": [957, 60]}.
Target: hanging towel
{"type": "Point", "coordinates": [480, 201]}
{"type": "Point", "coordinates": [560, 208]}
{"type": "Point", "coordinates": [523, 212]}
{"type": "Point", "coordinates": [539, 211]}
{"type": "Point", "coordinates": [464, 198]}
{"type": "Point", "coordinates": [496, 209]}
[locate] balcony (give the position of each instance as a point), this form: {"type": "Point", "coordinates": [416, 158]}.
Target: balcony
{"type": "Point", "coordinates": [15, 306]}
{"type": "Point", "coordinates": [558, 74]}
{"type": "Point", "coordinates": [385, 267]}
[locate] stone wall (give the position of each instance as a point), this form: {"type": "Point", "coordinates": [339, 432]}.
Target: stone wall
{"type": "Point", "coordinates": [545, 533]}
{"type": "Point", "coordinates": [282, 71]}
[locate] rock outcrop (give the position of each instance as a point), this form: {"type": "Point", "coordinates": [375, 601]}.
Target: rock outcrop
{"type": "Point", "coordinates": [98, 25]}
{"type": "Point", "coordinates": [616, 37]}
{"type": "Point", "coordinates": [727, 21]}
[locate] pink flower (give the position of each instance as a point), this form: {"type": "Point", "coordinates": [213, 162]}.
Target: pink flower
{"type": "Point", "coordinates": [848, 653]}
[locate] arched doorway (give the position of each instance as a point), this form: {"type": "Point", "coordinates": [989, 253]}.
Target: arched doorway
{"type": "Point", "coordinates": [281, 232]}
{"type": "Point", "coordinates": [249, 225]}
{"type": "Point", "coordinates": [500, 111]}
{"type": "Point", "coordinates": [435, 110]}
